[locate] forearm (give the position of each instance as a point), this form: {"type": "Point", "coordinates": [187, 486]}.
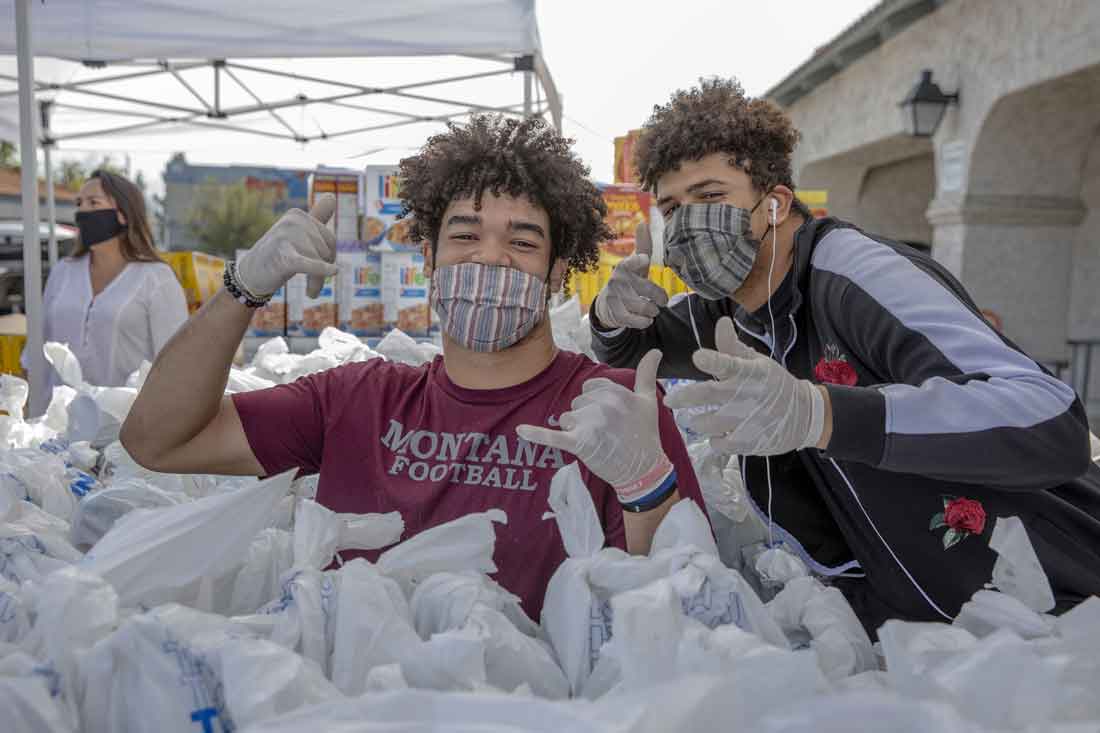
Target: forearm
{"type": "Point", "coordinates": [639, 527]}
{"type": "Point", "coordinates": [670, 331]}
{"type": "Point", "coordinates": [926, 434]}
{"type": "Point", "coordinates": [184, 389]}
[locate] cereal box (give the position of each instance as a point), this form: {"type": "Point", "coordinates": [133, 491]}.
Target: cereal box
{"type": "Point", "coordinates": [269, 320]}
{"type": "Point", "coordinates": [359, 296]}
{"type": "Point", "coordinates": [345, 185]}
{"type": "Point", "coordinates": [405, 293]}
{"type": "Point", "coordinates": [308, 316]}
{"type": "Point", "coordinates": [380, 226]}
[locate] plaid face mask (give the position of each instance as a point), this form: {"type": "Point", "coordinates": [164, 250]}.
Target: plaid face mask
{"type": "Point", "coordinates": [711, 247]}
{"type": "Point", "coordinates": [486, 308]}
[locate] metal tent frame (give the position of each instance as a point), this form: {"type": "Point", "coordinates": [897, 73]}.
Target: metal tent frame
{"type": "Point", "coordinates": [540, 97]}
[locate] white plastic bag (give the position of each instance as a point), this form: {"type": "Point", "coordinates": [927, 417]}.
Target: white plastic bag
{"type": "Point", "coordinates": [98, 511]}
{"type": "Point", "coordinates": [1017, 571]}
{"type": "Point", "coordinates": [42, 476]}
{"type": "Point", "coordinates": [159, 555]}
{"type": "Point", "coordinates": [72, 611]}
{"type": "Point", "coordinates": [837, 636]}
{"type": "Point", "coordinates": [370, 625]}
{"type": "Point", "coordinates": [400, 347]}
{"type": "Point", "coordinates": [159, 671]}
{"type": "Point", "coordinates": [27, 702]}
{"type": "Point", "coordinates": [989, 610]}
{"type": "Point", "coordinates": [465, 543]}
{"type": "Point", "coordinates": [320, 532]}
{"type": "Point", "coordinates": [513, 657]}
{"type": "Point", "coordinates": [262, 680]}
{"type": "Point", "coordinates": [13, 613]}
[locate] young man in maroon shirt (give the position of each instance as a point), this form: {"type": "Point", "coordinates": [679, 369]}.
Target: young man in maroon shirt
{"type": "Point", "coordinates": [506, 212]}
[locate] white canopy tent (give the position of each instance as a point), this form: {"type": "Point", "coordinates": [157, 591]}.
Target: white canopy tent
{"type": "Point", "coordinates": [172, 41]}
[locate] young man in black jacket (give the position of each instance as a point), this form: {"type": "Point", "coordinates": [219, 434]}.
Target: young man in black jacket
{"type": "Point", "coordinates": [898, 422]}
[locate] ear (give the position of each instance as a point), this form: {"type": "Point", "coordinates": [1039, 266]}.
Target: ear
{"type": "Point", "coordinates": [557, 275]}
{"type": "Point", "coordinates": [429, 263]}
{"type": "Point", "coordinates": [121, 217]}
{"type": "Point", "coordinates": [785, 198]}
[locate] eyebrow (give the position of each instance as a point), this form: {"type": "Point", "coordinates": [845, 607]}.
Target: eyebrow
{"type": "Point", "coordinates": [527, 226]}
{"type": "Point", "coordinates": [464, 219]}
{"type": "Point", "coordinates": [693, 188]}
{"type": "Point", "coordinates": [515, 226]}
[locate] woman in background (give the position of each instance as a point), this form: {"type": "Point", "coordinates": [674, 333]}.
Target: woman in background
{"type": "Point", "coordinates": [114, 302]}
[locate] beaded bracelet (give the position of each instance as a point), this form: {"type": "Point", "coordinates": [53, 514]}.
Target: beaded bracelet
{"type": "Point", "coordinates": [232, 284]}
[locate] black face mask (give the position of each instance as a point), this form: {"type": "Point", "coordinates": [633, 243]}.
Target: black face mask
{"type": "Point", "coordinates": [97, 226]}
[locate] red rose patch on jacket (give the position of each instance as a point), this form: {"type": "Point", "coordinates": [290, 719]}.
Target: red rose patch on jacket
{"type": "Point", "coordinates": [962, 517]}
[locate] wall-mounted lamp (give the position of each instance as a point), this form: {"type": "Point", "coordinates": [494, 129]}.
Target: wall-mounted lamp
{"type": "Point", "coordinates": [924, 106]}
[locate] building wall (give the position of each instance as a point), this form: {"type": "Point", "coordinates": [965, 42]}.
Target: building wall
{"type": "Point", "coordinates": [1009, 206]}
{"type": "Point", "coordinates": [182, 182]}
{"type": "Point", "coordinates": [1084, 307]}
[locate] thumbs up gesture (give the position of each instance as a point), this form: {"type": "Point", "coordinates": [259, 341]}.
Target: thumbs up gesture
{"type": "Point", "coordinates": [297, 243]}
{"type": "Point", "coordinates": [630, 299]}
{"type": "Point", "coordinates": [614, 432]}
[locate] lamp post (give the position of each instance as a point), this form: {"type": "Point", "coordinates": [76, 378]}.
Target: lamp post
{"type": "Point", "coordinates": [924, 106]}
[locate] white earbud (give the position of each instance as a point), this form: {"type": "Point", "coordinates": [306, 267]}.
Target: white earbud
{"type": "Point", "coordinates": [775, 209]}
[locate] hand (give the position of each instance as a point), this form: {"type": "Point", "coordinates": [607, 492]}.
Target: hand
{"type": "Point", "coordinates": [630, 299]}
{"type": "Point", "coordinates": [614, 432]}
{"type": "Point", "coordinates": [297, 243]}
{"type": "Point", "coordinates": [761, 408]}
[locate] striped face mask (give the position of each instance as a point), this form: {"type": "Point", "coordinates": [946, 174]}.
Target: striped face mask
{"type": "Point", "coordinates": [486, 308]}
{"type": "Point", "coordinates": [711, 247]}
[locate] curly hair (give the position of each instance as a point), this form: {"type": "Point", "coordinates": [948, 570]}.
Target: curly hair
{"type": "Point", "coordinates": [511, 157]}
{"type": "Point", "coordinates": [717, 117]}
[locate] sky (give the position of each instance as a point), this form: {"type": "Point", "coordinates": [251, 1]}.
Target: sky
{"type": "Point", "coordinates": [612, 61]}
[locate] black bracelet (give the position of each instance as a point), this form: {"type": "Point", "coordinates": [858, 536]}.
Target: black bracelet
{"type": "Point", "coordinates": [656, 498]}
{"type": "Point", "coordinates": [232, 284]}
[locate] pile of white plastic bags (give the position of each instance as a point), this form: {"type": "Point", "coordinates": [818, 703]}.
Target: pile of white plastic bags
{"type": "Point", "coordinates": [134, 601]}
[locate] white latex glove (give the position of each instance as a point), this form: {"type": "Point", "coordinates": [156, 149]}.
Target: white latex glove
{"type": "Point", "coordinates": [614, 432]}
{"type": "Point", "coordinates": [297, 243]}
{"type": "Point", "coordinates": [630, 299]}
{"type": "Point", "coordinates": [762, 409]}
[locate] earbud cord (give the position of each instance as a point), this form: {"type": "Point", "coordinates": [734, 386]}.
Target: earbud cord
{"type": "Point", "coordinates": [771, 316]}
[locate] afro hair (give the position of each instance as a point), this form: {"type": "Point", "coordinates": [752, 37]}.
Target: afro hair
{"type": "Point", "coordinates": [717, 117]}
{"type": "Point", "coordinates": [509, 157]}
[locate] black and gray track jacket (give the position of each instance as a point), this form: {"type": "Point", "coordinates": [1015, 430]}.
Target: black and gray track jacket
{"type": "Point", "coordinates": [944, 407]}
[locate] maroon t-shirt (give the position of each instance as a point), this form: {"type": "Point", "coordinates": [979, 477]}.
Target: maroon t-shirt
{"type": "Point", "coordinates": [387, 436]}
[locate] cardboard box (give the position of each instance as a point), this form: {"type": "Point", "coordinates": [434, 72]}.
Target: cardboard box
{"type": "Point", "coordinates": [308, 316]}
{"type": "Point", "coordinates": [200, 275]}
{"type": "Point", "coordinates": [359, 295]}
{"type": "Point", "coordinates": [380, 226]}
{"type": "Point", "coordinates": [270, 320]}
{"type": "Point", "coordinates": [627, 207]}
{"type": "Point", "coordinates": [405, 293]}
{"type": "Point", "coordinates": [345, 185]}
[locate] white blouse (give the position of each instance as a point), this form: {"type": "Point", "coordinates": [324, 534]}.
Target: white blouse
{"type": "Point", "coordinates": [112, 333]}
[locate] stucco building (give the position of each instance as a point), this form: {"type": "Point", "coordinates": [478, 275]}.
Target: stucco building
{"type": "Point", "coordinates": [1007, 191]}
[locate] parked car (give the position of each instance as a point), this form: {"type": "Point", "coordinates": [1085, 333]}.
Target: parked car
{"type": "Point", "coordinates": [11, 257]}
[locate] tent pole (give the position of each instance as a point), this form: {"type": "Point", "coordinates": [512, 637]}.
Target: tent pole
{"type": "Point", "coordinates": [51, 204]}
{"type": "Point", "coordinates": [32, 247]}
{"type": "Point", "coordinates": [527, 93]}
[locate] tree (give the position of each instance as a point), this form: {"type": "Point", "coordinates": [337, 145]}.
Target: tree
{"type": "Point", "coordinates": [9, 154]}
{"type": "Point", "coordinates": [225, 218]}
{"type": "Point", "coordinates": [71, 174]}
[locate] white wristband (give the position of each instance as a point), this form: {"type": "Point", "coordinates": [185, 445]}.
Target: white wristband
{"type": "Point", "coordinates": [817, 416]}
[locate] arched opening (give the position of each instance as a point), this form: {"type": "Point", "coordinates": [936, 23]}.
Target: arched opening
{"type": "Point", "coordinates": [1030, 214]}
{"type": "Point", "coordinates": [894, 198]}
